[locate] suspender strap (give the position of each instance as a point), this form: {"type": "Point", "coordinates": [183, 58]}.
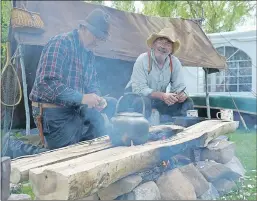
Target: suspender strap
{"type": "Point", "coordinates": [171, 67]}
{"type": "Point", "coordinates": [150, 63]}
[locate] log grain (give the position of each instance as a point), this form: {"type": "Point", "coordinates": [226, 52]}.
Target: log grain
{"type": "Point", "coordinates": [83, 176]}
{"type": "Point", "coordinates": [20, 167]}
{"type": "Point", "coordinates": [165, 128]}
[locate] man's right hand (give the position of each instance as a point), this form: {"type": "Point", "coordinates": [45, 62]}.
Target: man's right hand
{"type": "Point", "coordinates": [170, 98]}
{"type": "Point", "coordinates": [92, 100]}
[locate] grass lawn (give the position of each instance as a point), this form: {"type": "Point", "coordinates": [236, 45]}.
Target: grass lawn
{"type": "Point", "coordinates": [27, 190]}
{"type": "Point", "coordinates": [246, 152]}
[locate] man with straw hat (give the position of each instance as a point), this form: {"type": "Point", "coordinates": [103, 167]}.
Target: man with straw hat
{"type": "Point", "coordinates": [157, 76]}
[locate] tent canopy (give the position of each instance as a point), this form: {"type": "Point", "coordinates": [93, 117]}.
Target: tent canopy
{"type": "Point", "coordinates": [129, 32]}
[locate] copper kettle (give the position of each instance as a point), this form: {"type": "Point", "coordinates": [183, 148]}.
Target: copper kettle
{"type": "Point", "coordinates": [129, 126]}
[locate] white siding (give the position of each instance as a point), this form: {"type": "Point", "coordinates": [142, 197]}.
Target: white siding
{"type": "Point", "coordinates": [244, 41]}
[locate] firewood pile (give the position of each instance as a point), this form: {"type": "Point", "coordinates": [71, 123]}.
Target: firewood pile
{"type": "Point", "coordinates": [197, 162]}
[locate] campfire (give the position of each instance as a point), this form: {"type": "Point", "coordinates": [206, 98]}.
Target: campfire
{"type": "Point", "coordinates": [160, 168]}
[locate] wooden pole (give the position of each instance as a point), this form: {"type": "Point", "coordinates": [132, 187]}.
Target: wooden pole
{"type": "Point", "coordinates": [5, 177]}
{"type": "Point", "coordinates": [207, 94]}
{"type": "Point", "coordinates": [25, 94]}
{"type": "Point", "coordinates": [200, 21]}
{"type": "Point", "coordinates": [7, 110]}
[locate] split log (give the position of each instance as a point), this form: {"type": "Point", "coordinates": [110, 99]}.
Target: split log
{"type": "Point", "coordinates": [20, 166]}
{"type": "Point", "coordinates": [165, 128]}
{"type": "Point", "coordinates": [163, 131]}
{"type": "Point", "coordinates": [81, 177]}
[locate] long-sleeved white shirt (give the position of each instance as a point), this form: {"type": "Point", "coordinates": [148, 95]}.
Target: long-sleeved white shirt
{"type": "Point", "coordinates": [158, 80]}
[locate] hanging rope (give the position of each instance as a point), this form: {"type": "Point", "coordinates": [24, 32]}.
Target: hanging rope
{"type": "Point", "coordinates": [6, 145]}
{"type": "Point", "coordinates": [10, 82]}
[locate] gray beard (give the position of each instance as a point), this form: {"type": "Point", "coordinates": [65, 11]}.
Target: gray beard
{"type": "Point", "coordinates": [161, 58]}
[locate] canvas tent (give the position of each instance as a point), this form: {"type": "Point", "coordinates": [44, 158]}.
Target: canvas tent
{"type": "Point", "coordinates": [128, 32]}
{"type": "Point", "coordinates": [116, 57]}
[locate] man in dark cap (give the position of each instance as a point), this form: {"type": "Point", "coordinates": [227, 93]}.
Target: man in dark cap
{"type": "Point", "coordinates": [65, 95]}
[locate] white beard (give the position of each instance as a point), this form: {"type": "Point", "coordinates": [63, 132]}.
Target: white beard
{"type": "Point", "coordinates": [161, 58]}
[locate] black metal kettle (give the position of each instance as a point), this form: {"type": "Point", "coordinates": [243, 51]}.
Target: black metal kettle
{"type": "Point", "coordinates": [129, 126]}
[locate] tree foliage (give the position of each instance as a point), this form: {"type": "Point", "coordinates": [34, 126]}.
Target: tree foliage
{"type": "Point", "coordinates": [6, 7]}
{"type": "Point", "coordinates": [95, 2]}
{"type": "Point", "coordinates": [219, 15]}
{"type": "Point", "coordinates": [124, 5]}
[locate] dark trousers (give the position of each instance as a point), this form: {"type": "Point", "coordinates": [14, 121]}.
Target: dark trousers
{"type": "Point", "coordinates": [134, 103]}
{"type": "Point", "coordinates": [67, 126]}
{"type": "Point", "coordinates": [14, 146]}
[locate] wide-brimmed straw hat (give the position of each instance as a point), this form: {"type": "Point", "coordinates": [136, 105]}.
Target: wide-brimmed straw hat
{"type": "Point", "coordinates": [165, 33]}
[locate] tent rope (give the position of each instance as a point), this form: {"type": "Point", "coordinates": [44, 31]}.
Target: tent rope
{"type": "Point", "coordinates": [241, 117]}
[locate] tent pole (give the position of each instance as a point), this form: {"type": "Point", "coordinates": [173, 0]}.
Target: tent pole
{"type": "Point", "coordinates": [207, 98]}
{"type": "Point", "coordinates": [25, 94]}
{"type": "Point", "coordinates": [207, 93]}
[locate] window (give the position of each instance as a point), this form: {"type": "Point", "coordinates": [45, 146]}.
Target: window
{"type": "Point", "coordinates": [238, 76]}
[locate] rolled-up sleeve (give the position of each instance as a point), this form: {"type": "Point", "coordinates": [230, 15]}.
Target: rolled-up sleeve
{"type": "Point", "coordinates": [139, 78]}
{"type": "Point", "coordinates": [177, 78]}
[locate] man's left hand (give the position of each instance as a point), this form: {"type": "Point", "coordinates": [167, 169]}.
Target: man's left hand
{"type": "Point", "coordinates": [181, 97]}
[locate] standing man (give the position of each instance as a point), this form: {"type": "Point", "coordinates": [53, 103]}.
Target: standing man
{"type": "Point", "coordinates": [66, 94]}
{"type": "Point", "coordinates": [157, 76]}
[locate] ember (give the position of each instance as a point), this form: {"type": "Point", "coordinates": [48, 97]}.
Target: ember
{"type": "Point", "coordinates": [166, 164]}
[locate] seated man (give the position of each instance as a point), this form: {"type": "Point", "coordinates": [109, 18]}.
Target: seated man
{"type": "Point", "coordinates": [157, 76]}
{"type": "Point", "coordinates": [66, 93]}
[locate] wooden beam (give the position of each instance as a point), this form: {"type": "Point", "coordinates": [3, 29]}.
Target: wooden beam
{"type": "Point", "coordinates": [20, 166]}
{"type": "Point", "coordinates": [83, 176]}
{"type": "Point", "coordinates": [165, 128]}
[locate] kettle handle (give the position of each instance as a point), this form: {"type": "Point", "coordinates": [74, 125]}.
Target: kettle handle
{"type": "Point", "coordinates": [128, 94]}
